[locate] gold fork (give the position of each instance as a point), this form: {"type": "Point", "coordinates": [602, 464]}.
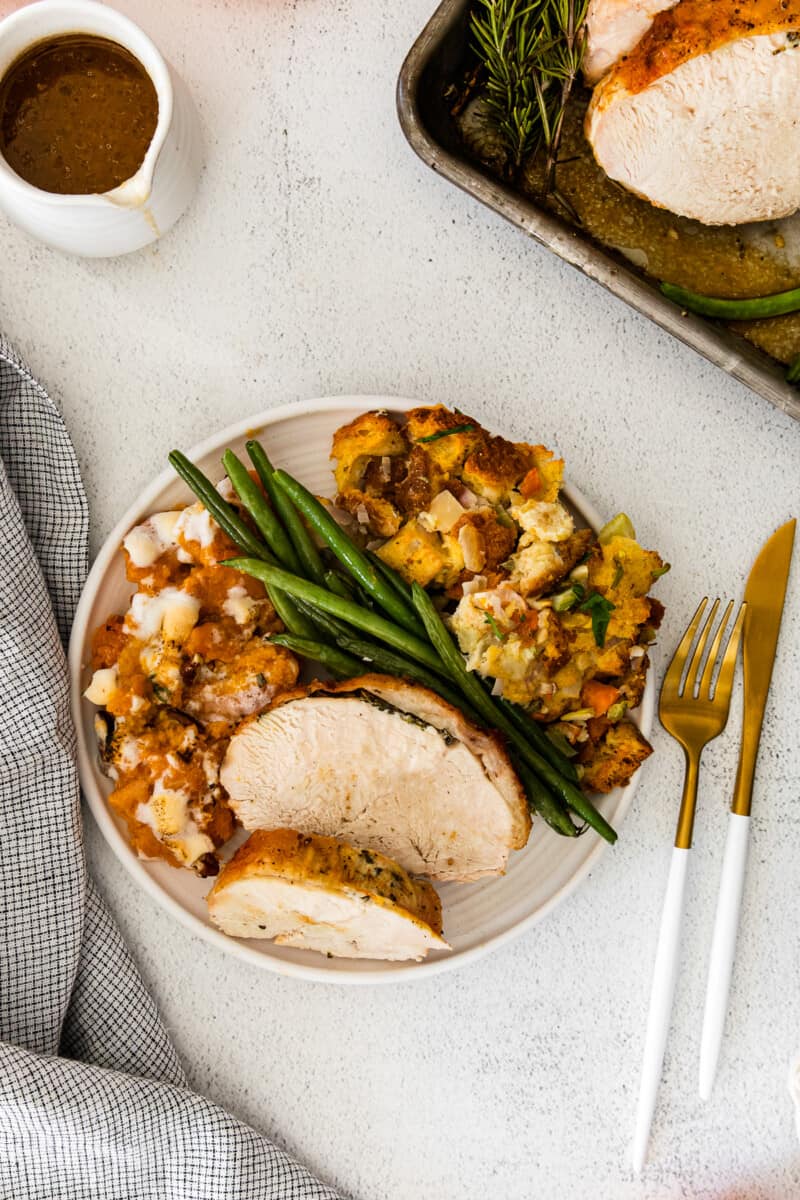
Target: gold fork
{"type": "Point", "coordinates": [694, 713]}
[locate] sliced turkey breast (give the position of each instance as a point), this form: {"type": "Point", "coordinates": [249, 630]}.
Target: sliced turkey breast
{"type": "Point", "coordinates": [317, 893]}
{"type": "Point", "coordinates": [613, 27]}
{"type": "Point", "coordinates": [700, 117]}
{"type": "Point", "coordinates": [383, 764]}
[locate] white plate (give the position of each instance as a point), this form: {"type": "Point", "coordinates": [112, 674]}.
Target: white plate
{"type": "Point", "coordinates": [477, 916]}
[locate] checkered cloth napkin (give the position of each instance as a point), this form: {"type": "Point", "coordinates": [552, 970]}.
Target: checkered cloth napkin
{"type": "Point", "coordinates": [93, 1100]}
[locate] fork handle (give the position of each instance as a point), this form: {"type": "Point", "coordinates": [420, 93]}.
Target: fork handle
{"type": "Point", "coordinates": [665, 973]}
{"type": "Point", "coordinates": [723, 948]}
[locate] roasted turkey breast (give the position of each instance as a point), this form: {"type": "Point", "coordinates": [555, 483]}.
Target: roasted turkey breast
{"type": "Point", "coordinates": [613, 27]}
{"type": "Point", "coordinates": [385, 765]}
{"type": "Point", "coordinates": [317, 893]}
{"type": "Point", "coordinates": [700, 117]}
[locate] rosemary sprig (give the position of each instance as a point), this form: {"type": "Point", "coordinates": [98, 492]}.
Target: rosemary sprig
{"type": "Point", "coordinates": [567, 31]}
{"type": "Point", "coordinates": [508, 39]}
{"type": "Point", "coordinates": [532, 51]}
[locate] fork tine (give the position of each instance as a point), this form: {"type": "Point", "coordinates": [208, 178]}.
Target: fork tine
{"type": "Point", "coordinates": [672, 677]}
{"type": "Point", "coordinates": [697, 657]}
{"type": "Point", "coordinates": [704, 688]}
{"type": "Point", "coordinates": [724, 683]}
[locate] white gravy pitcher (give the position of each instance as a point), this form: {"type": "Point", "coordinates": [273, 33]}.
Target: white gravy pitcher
{"type": "Point", "coordinates": [142, 208]}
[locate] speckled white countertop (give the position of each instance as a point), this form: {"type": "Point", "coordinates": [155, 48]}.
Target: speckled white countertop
{"type": "Point", "coordinates": [322, 257]}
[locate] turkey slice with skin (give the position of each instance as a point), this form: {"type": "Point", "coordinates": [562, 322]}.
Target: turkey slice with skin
{"type": "Point", "coordinates": [613, 27]}
{"type": "Point", "coordinates": [317, 893]}
{"type": "Point", "coordinates": [699, 118]}
{"type": "Point", "coordinates": [385, 765]}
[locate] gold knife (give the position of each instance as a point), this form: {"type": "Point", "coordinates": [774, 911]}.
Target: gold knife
{"type": "Point", "coordinates": [765, 594]}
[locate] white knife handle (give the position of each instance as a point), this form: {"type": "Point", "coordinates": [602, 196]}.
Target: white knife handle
{"type": "Point", "coordinates": [723, 948]}
{"type": "Point", "coordinates": [665, 973]}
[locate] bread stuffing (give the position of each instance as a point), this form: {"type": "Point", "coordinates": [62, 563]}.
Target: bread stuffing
{"type": "Point", "coordinates": [544, 610]}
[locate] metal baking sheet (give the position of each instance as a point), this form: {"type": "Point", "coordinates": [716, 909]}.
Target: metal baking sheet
{"type": "Point", "coordinates": [434, 61]}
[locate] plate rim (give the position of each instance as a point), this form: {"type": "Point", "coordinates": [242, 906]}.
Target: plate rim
{"type": "Point", "coordinates": [136, 866]}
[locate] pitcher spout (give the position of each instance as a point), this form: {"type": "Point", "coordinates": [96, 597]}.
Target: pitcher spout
{"type": "Point", "coordinates": [134, 192]}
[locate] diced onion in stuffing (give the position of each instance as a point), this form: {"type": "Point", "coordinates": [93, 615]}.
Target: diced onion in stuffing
{"type": "Point", "coordinates": [471, 545]}
{"type": "Point", "coordinates": [444, 511]}
{"type": "Point", "coordinates": [476, 584]}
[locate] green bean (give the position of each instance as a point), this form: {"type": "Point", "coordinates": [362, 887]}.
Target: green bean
{"type": "Point", "coordinates": [263, 516]}
{"type": "Point", "coordinates": [349, 553]}
{"type": "Point", "coordinates": [549, 807]}
{"type": "Point", "coordinates": [294, 620]}
{"type": "Point", "coordinates": [342, 665]}
{"type": "Point", "coordinates": [392, 577]}
{"type": "Point", "coordinates": [307, 552]}
{"type": "Point", "coordinates": [793, 370]}
{"type": "Point", "coordinates": [232, 524]}
{"type": "Point", "coordinates": [223, 513]}
{"type": "Point", "coordinates": [346, 610]}
{"type": "Point", "coordinates": [532, 730]}
{"type": "Point", "coordinates": [566, 790]}
{"type": "Point", "coordinates": [388, 662]}
{"type": "Point", "coordinates": [734, 310]}
{"type": "Point", "coordinates": [327, 624]}
{"type": "Point", "coordinates": [494, 715]}
{"type": "Point", "coordinates": [333, 629]}
{"type": "Point", "coordinates": [335, 583]}
{"type": "Point", "coordinates": [335, 571]}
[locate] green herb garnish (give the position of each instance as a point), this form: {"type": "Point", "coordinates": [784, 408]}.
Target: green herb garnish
{"type": "Point", "coordinates": [261, 679]}
{"type": "Point", "coordinates": [495, 628]}
{"type": "Point", "coordinates": [564, 601]}
{"type": "Point", "coordinates": [600, 610]}
{"type": "Point", "coordinates": [159, 691]}
{"type": "Point", "coordinates": [440, 433]}
{"type": "Point", "coordinates": [617, 574]}
{"type": "Point", "coordinates": [503, 518]}
{"type": "Point", "coordinates": [409, 718]}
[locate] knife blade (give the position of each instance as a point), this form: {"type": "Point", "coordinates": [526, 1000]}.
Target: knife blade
{"type": "Point", "coordinates": [765, 594]}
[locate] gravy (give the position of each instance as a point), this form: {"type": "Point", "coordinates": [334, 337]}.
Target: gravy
{"type": "Point", "coordinates": [77, 114]}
